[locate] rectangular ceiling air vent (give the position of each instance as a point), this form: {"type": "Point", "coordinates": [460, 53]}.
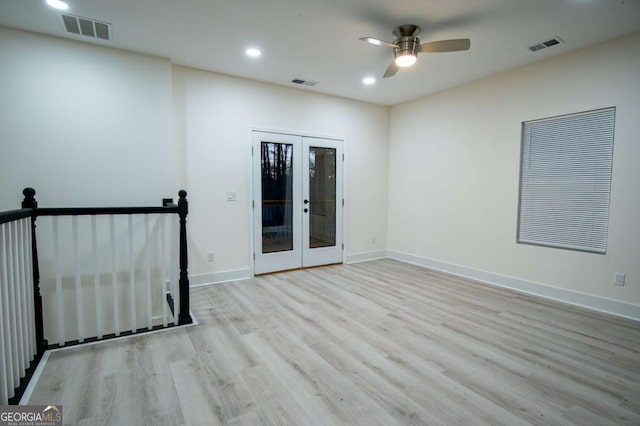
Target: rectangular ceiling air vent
{"type": "Point", "coordinates": [302, 82]}
{"type": "Point", "coordinates": [87, 27]}
{"type": "Point", "coordinates": [545, 44]}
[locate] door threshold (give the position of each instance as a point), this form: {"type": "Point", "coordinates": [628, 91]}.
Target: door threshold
{"type": "Point", "coordinates": [297, 269]}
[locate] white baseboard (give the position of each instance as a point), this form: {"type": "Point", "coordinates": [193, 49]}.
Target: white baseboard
{"type": "Point", "coordinates": [219, 277]}
{"type": "Point", "coordinates": [34, 379]}
{"type": "Point", "coordinates": [589, 301]}
{"type": "Point", "coordinates": [365, 256]}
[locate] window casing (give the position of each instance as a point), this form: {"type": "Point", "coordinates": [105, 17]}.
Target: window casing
{"type": "Point", "coordinates": [565, 181]}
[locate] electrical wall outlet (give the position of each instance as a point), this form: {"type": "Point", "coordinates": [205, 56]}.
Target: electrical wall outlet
{"type": "Point", "coordinates": [210, 257]}
{"type": "Point", "coordinates": [618, 278]}
{"type": "Point", "coordinates": [232, 195]}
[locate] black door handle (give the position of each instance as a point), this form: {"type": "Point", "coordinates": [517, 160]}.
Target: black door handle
{"type": "Point", "coordinates": [306, 201]}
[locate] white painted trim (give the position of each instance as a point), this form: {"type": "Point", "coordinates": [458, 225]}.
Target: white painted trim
{"type": "Point", "coordinates": [345, 243]}
{"type": "Point", "coordinates": [589, 301]}
{"type": "Point", "coordinates": [34, 379]}
{"type": "Point", "coordinates": [250, 198]}
{"type": "Point", "coordinates": [219, 277]}
{"type": "Point", "coordinates": [365, 256]}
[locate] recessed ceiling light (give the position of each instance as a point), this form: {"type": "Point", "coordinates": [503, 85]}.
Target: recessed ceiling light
{"type": "Point", "coordinates": [253, 52]}
{"type": "Point", "coordinates": [58, 4]}
{"type": "Point", "coordinates": [368, 81]}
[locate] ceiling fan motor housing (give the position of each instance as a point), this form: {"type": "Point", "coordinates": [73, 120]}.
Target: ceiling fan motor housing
{"type": "Point", "coordinates": [406, 31]}
{"type": "Point", "coordinates": [406, 46]}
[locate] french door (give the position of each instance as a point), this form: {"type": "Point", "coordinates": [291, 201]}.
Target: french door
{"type": "Point", "coordinates": [297, 201]}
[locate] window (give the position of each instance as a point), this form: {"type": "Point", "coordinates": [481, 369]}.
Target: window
{"type": "Point", "coordinates": [565, 181]}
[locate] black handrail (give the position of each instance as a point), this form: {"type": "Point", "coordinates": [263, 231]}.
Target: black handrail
{"type": "Point", "coordinates": [84, 211]}
{"type": "Point", "coordinates": [11, 215]}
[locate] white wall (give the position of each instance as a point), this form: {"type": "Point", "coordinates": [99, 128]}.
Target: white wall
{"type": "Point", "coordinates": [213, 117]}
{"type": "Point", "coordinates": [83, 124]}
{"type": "Point", "coordinates": [454, 171]}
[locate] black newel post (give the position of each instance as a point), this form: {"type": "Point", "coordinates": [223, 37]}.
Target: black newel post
{"type": "Point", "coordinates": [30, 202]}
{"type": "Point", "coordinates": [183, 210]}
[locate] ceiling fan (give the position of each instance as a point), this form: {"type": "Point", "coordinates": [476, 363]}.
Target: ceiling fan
{"type": "Point", "coordinates": [406, 47]}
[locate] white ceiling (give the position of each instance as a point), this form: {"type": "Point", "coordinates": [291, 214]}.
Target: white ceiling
{"type": "Point", "coordinates": [318, 39]}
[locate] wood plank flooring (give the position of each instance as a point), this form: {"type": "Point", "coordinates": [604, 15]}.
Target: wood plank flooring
{"type": "Point", "coordinates": [379, 342]}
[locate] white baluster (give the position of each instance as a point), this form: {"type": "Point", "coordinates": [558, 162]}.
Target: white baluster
{"type": "Point", "coordinates": [58, 271]}
{"type": "Point", "coordinates": [114, 277]}
{"type": "Point", "coordinates": [163, 277]}
{"type": "Point", "coordinates": [11, 341]}
{"type": "Point", "coordinates": [175, 259]}
{"type": "Point", "coordinates": [28, 265]}
{"type": "Point", "coordinates": [78, 282]}
{"type": "Point", "coordinates": [147, 252]}
{"type": "Point", "coordinates": [4, 387]}
{"type": "Point", "coordinates": [96, 277]}
{"type": "Point", "coordinates": [5, 323]}
{"type": "Point", "coordinates": [132, 278]}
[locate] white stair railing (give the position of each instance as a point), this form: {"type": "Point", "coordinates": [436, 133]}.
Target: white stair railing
{"type": "Point", "coordinates": [107, 274]}
{"type": "Point", "coordinates": [17, 314]}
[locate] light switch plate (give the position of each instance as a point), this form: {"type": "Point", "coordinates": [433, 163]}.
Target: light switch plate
{"type": "Point", "coordinates": [619, 278]}
{"type": "Point", "coordinates": [232, 196]}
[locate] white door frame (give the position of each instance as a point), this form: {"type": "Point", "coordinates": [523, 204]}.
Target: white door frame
{"type": "Point", "coordinates": [253, 183]}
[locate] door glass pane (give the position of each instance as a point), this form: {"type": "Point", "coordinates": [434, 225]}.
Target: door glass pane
{"type": "Point", "coordinates": [277, 193]}
{"type": "Point", "coordinates": [322, 197]}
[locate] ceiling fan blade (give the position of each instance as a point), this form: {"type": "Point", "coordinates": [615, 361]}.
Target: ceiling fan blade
{"type": "Point", "coordinates": [377, 42]}
{"type": "Point", "coordinates": [455, 45]}
{"type": "Point", "coordinates": [392, 70]}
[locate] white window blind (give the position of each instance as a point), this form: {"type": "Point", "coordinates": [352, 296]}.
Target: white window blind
{"type": "Point", "coordinates": [565, 181]}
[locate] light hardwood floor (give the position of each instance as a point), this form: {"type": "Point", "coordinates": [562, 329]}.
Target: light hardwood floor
{"type": "Point", "coordinates": [379, 342]}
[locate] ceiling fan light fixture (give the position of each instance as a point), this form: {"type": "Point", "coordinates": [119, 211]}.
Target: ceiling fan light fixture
{"type": "Point", "coordinates": [406, 51]}
{"type": "Point", "coordinates": [405, 59]}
